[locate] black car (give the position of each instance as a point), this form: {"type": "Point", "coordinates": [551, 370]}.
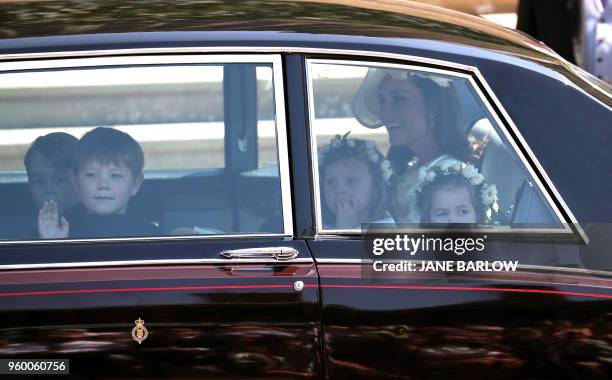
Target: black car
{"type": "Point", "coordinates": [271, 189]}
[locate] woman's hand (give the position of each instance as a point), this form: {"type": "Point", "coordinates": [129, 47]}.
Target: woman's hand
{"type": "Point", "coordinates": [50, 224]}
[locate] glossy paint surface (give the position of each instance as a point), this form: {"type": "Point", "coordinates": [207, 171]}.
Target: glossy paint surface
{"type": "Point", "coordinates": [437, 326]}
{"type": "Point", "coordinates": [227, 320]}
{"type": "Point", "coordinates": [224, 320]}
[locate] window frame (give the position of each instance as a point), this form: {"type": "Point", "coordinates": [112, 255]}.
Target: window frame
{"type": "Point", "coordinates": [82, 60]}
{"type": "Point", "coordinates": [570, 226]}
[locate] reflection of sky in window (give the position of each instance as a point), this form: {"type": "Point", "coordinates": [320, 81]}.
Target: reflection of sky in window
{"type": "Point", "coordinates": [123, 76]}
{"type": "Point", "coordinates": [323, 71]}
{"type": "Point", "coordinates": [113, 77]}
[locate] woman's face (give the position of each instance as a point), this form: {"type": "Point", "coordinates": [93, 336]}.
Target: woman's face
{"type": "Point", "coordinates": [403, 111]}
{"type": "Point", "coordinates": [451, 204]}
{"type": "Point", "coordinates": [347, 185]}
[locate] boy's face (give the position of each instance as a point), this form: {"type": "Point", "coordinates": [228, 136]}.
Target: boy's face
{"type": "Point", "coordinates": [106, 189]}
{"type": "Point", "coordinates": [50, 183]}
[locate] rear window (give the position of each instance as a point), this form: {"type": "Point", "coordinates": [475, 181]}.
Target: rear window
{"type": "Point", "coordinates": [138, 147]}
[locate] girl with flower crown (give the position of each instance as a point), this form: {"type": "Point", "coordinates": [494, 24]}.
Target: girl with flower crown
{"type": "Point", "coordinates": [454, 192]}
{"type": "Point", "coordinates": [353, 175]}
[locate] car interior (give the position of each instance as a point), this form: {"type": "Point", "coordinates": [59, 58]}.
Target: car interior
{"type": "Point", "coordinates": [182, 200]}
{"type": "Point", "coordinates": [193, 185]}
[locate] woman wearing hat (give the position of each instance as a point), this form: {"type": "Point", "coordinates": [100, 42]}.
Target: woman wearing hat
{"type": "Point", "coordinates": [422, 117]}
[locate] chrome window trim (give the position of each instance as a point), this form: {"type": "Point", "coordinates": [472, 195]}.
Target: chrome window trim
{"type": "Point", "coordinates": [102, 264]}
{"type": "Point", "coordinates": [282, 143]}
{"type": "Point", "coordinates": [261, 50]}
{"type": "Point", "coordinates": [274, 60]}
{"type": "Point", "coordinates": [536, 162]}
{"type": "Point", "coordinates": [108, 62]}
{"type": "Point", "coordinates": [473, 70]}
{"type": "Point", "coordinates": [225, 49]}
{"type": "Point", "coordinates": [142, 238]}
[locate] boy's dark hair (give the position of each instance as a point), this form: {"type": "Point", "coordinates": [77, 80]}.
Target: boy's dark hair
{"type": "Point", "coordinates": [450, 181]}
{"type": "Point", "coordinates": [110, 146]}
{"type": "Point", "coordinates": [58, 148]}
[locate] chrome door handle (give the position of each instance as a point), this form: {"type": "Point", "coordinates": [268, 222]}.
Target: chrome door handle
{"type": "Point", "coordinates": [278, 253]}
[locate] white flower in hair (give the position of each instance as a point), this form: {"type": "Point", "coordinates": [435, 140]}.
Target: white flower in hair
{"type": "Point", "coordinates": [423, 174]}
{"type": "Point", "coordinates": [447, 165]}
{"type": "Point", "coordinates": [363, 149]}
{"type": "Point", "coordinates": [469, 171]}
{"type": "Point", "coordinates": [488, 192]}
{"type": "Point", "coordinates": [489, 195]}
{"type": "Point", "coordinates": [476, 179]}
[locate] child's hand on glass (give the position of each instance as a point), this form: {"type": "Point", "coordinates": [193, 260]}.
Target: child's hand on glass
{"type": "Point", "coordinates": [50, 224]}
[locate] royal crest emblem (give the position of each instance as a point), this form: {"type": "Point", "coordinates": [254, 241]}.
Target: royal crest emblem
{"type": "Point", "coordinates": [139, 332]}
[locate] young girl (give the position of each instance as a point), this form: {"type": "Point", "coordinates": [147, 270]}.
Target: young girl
{"type": "Point", "coordinates": [453, 192]}
{"type": "Point", "coordinates": [353, 176]}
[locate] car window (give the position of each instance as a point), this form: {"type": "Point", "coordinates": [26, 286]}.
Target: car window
{"type": "Point", "coordinates": [133, 147]}
{"type": "Point", "coordinates": [417, 148]}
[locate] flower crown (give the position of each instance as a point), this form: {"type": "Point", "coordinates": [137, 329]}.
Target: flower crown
{"type": "Point", "coordinates": [364, 149]}
{"type": "Point", "coordinates": [488, 192]}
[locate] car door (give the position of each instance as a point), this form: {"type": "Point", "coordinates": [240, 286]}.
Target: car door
{"type": "Point", "coordinates": [220, 289]}
{"type": "Point", "coordinates": [388, 310]}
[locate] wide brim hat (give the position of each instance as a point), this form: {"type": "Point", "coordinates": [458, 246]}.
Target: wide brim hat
{"type": "Point", "coordinates": [365, 102]}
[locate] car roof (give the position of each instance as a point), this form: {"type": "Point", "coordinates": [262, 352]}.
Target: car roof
{"type": "Point", "coordinates": [390, 18]}
{"type": "Point", "coordinates": [31, 27]}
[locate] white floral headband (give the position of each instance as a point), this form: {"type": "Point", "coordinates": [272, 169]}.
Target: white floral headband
{"type": "Point", "coordinates": [488, 192]}
{"type": "Point", "coordinates": [365, 149]}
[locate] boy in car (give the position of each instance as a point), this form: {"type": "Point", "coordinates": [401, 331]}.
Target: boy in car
{"type": "Point", "coordinates": [49, 162]}
{"type": "Point", "coordinates": [107, 174]}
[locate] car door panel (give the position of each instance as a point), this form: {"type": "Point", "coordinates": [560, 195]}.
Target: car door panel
{"type": "Point", "coordinates": [208, 319]}
{"type": "Point", "coordinates": [429, 325]}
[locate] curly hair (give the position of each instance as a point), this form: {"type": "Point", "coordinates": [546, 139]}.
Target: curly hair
{"type": "Point", "coordinates": [344, 148]}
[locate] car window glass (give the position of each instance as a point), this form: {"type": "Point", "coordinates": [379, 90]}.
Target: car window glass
{"type": "Point", "coordinates": [151, 150]}
{"type": "Point", "coordinates": [414, 148]}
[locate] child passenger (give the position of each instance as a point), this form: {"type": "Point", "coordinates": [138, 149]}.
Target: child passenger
{"type": "Point", "coordinates": [453, 192]}
{"type": "Point", "coordinates": [49, 162]}
{"type": "Point", "coordinates": [107, 174]}
{"type": "Point", "coordinates": [353, 176]}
